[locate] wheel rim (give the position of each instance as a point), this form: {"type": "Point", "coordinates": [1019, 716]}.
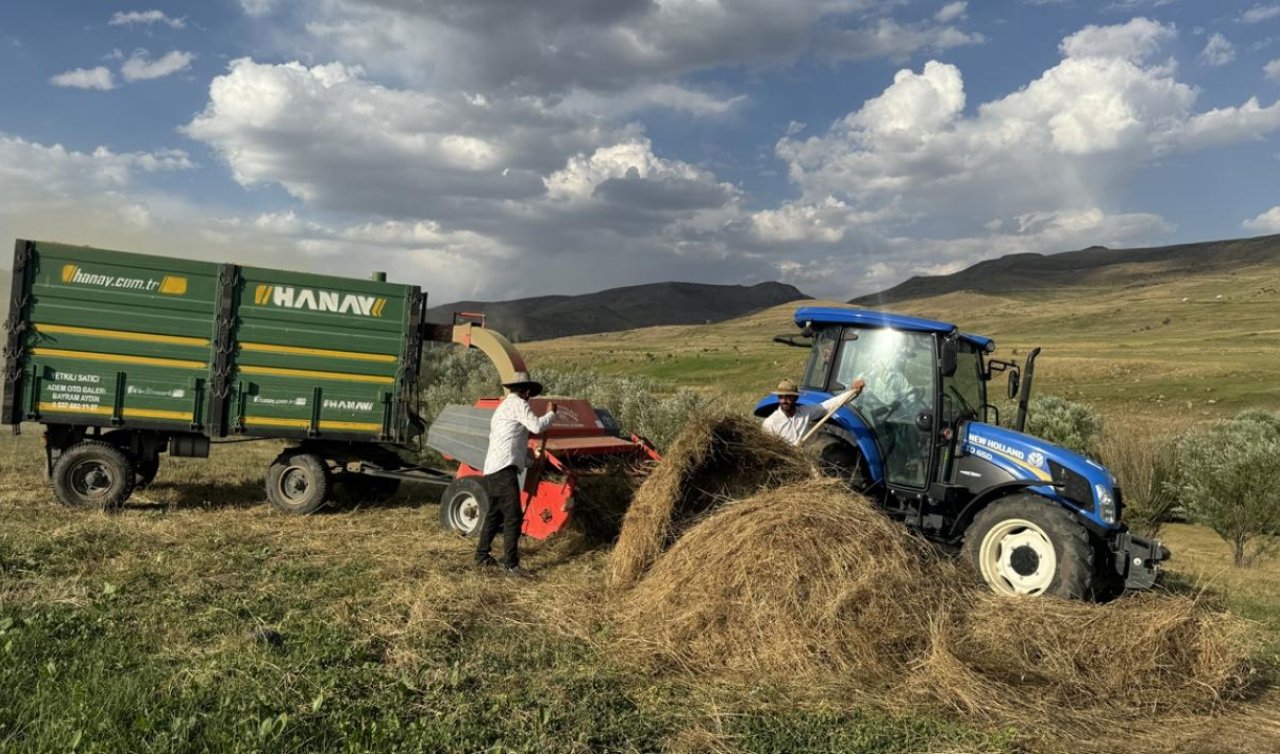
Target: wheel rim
{"type": "Point", "coordinates": [1017, 557]}
{"type": "Point", "coordinates": [464, 512]}
{"type": "Point", "coordinates": [92, 479]}
{"type": "Point", "coordinates": [294, 484]}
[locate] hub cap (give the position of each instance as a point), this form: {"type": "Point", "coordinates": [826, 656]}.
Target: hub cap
{"type": "Point", "coordinates": [1017, 558]}
{"type": "Point", "coordinates": [466, 513]}
{"type": "Point", "coordinates": [92, 479]}
{"type": "Point", "coordinates": [294, 483]}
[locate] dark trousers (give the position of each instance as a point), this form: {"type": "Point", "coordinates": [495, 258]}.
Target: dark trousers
{"type": "Point", "coordinates": [504, 510]}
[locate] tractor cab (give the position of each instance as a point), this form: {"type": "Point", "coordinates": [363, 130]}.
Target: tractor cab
{"type": "Point", "coordinates": [925, 441]}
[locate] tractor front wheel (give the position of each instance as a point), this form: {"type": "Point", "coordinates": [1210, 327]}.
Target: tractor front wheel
{"type": "Point", "coordinates": [1028, 545]}
{"type": "Point", "coordinates": [464, 505]}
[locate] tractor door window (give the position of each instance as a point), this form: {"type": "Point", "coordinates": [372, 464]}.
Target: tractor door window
{"type": "Point", "coordinates": [899, 369]}
{"type": "Point", "coordinates": [964, 391]}
{"type": "Point", "coordinates": [824, 347]}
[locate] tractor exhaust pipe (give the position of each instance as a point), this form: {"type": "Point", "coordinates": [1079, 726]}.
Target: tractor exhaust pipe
{"type": "Point", "coordinates": [1024, 397]}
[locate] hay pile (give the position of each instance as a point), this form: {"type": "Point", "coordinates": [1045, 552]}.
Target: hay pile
{"type": "Point", "coordinates": [806, 585]}
{"type": "Point", "coordinates": [712, 461]}
{"type": "Point", "coordinates": [802, 579]}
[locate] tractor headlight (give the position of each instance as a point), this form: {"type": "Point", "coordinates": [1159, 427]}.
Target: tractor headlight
{"type": "Point", "coordinates": [1106, 503]}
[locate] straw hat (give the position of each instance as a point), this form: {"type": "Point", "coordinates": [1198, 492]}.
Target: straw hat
{"type": "Point", "coordinates": [521, 380]}
{"type": "Point", "coordinates": [787, 387]}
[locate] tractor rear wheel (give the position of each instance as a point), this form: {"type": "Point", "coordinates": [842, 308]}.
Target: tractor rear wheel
{"type": "Point", "coordinates": [837, 458]}
{"type": "Point", "coordinates": [1028, 545]}
{"type": "Point", "coordinates": [298, 483]}
{"type": "Point", "coordinates": [464, 505]}
{"type": "Point", "coordinates": [93, 474]}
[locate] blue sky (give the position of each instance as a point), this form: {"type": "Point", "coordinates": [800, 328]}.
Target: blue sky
{"type": "Point", "coordinates": [503, 148]}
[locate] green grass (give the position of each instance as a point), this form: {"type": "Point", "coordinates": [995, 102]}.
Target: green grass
{"type": "Point", "coordinates": [195, 622]}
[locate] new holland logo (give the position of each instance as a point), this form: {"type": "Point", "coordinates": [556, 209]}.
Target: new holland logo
{"type": "Point", "coordinates": [319, 301]}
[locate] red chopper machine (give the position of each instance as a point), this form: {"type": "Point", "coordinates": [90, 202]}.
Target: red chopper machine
{"type": "Point", "coordinates": [583, 441]}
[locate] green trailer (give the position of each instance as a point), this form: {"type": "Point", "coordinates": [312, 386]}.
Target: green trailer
{"type": "Point", "coordinates": [123, 357]}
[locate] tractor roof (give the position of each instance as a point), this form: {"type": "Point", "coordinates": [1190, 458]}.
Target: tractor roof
{"type": "Point", "coordinates": [839, 315]}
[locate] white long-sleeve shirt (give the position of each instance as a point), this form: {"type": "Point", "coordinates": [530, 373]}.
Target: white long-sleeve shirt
{"type": "Point", "coordinates": [509, 430]}
{"type": "Point", "coordinates": [792, 428]}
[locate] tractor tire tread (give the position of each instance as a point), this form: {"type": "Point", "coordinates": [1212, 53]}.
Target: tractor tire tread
{"type": "Point", "coordinates": [1073, 547]}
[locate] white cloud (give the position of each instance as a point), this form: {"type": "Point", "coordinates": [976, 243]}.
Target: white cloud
{"type": "Point", "coordinates": [257, 8]}
{"type": "Point", "coordinates": [1135, 41]}
{"type": "Point", "coordinates": [140, 67]}
{"type": "Point", "coordinates": [1267, 222]}
{"type": "Point", "coordinates": [951, 11]}
{"type": "Point", "coordinates": [1272, 69]}
{"type": "Point", "coordinates": [85, 78]}
{"type": "Point", "coordinates": [147, 17]}
{"type": "Point", "coordinates": [1218, 51]}
{"type": "Point", "coordinates": [892, 40]}
{"type": "Point", "coordinates": [1260, 13]}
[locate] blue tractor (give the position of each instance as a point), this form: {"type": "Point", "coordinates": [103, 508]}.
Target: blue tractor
{"type": "Point", "coordinates": [924, 442]}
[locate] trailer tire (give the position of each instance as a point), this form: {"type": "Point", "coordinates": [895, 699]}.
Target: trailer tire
{"type": "Point", "coordinates": [1028, 545]}
{"type": "Point", "coordinates": [144, 472]}
{"type": "Point", "coordinates": [93, 474]}
{"type": "Point", "coordinates": [298, 483]}
{"type": "Point", "coordinates": [464, 505]}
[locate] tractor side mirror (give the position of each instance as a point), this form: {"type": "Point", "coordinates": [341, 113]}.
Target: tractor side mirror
{"type": "Point", "coordinates": [795, 341]}
{"type": "Point", "coordinates": [924, 421]}
{"type": "Point", "coordinates": [1015, 382]}
{"type": "Point", "coordinates": [947, 362]}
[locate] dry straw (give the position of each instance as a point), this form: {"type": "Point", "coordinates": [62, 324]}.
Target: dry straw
{"type": "Point", "coordinates": [807, 585]}
{"type": "Point", "coordinates": [712, 461]}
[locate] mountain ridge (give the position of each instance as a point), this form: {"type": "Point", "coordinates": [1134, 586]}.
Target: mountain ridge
{"type": "Point", "coordinates": [625, 308]}
{"type": "Point", "coordinates": [1092, 266]}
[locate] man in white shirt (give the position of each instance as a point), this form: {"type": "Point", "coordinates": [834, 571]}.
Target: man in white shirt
{"type": "Point", "coordinates": [507, 455]}
{"type": "Point", "coordinates": [790, 421]}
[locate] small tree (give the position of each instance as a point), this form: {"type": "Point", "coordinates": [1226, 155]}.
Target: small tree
{"type": "Point", "coordinates": [1145, 465]}
{"type": "Point", "coordinates": [1228, 479]}
{"type": "Point", "coordinates": [1072, 425]}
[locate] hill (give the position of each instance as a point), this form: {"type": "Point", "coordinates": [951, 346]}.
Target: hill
{"type": "Point", "coordinates": [621, 308]}
{"type": "Point", "coordinates": [1160, 334]}
{"type": "Point", "coordinates": [1094, 266]}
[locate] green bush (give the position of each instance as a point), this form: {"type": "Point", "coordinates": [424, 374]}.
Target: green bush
{"type": "Point", "coordinates": [639, 404]}
{"type": "Point", "coordinates": [1145, 466]}
{"type": "Point", "coordinates": [1072, 425]}
{"type": "Point", "coordinates": [1228, 480]}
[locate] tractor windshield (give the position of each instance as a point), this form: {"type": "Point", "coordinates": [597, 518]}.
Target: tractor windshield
{"type": "Point", "coordinates": [899, 369]}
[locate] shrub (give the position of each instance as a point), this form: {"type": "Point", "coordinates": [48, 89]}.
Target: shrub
{"type": "Point", "coordinates": [640, 405]}
{"type": "Point", "coordinates": [1229, 481]}
{"type": "Point", "coordinates": [1145, 466]}
{"type": "Point", "coordinates": [1072, 425]}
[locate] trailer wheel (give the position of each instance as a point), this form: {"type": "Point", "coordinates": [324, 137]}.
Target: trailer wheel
{"type": "Point", "coordinates": [464, 505]}
{"type": "Point", "coordinates": [144, 472]}
{"type": "Point", "coordinates": [1027, 545]}
{"type": "Point", "coordinates": [298, 483]}
{"type": "Point", "coordinates": [93, 474]}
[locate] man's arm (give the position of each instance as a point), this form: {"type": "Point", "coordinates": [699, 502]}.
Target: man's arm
{"type": "Point", "coordinates": [531, 421]}
{"type": "Point", "coordinates": [840, 399]}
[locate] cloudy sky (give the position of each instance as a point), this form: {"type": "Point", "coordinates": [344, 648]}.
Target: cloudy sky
{"type": "Point", "coordinates": [504, 148]}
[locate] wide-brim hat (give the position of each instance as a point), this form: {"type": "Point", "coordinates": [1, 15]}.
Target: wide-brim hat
{"type": "Point", "coordinates": [787, 387]}
{"type": "Point", "coordinates": [520, 380]}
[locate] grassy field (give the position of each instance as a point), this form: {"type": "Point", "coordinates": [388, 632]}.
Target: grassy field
{"type": "Point", "coordinates": [199, 620]}
{"type": "Point", "coordinates": [1200, 346]}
